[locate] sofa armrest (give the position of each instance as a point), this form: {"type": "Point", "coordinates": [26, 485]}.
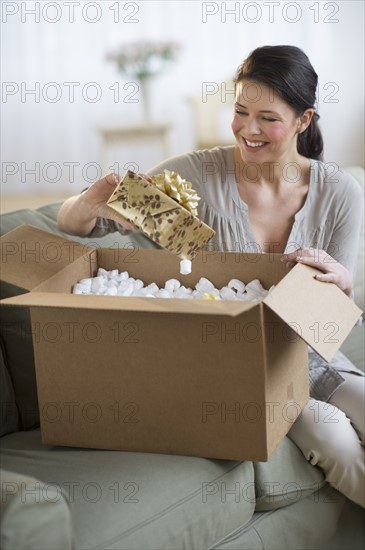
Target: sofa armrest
{"type": "Point", "coordinates": [33, 515]}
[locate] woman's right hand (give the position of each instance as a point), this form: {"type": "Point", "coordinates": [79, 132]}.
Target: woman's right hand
{"type": "Point", "coordinates": [78, 214]}
{"type": "Point", "coordinates": [96, 197]}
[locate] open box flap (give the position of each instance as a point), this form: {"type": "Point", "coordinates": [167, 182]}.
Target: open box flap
{"type": "Point", "coordinates": [320, 313]}
{"type": "Point", "coordinates": [30, 256]}
{"type": "Point", "coordinates": [156, 305]}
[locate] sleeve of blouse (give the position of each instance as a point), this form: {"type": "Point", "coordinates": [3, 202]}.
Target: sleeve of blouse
{"type": "Point", "coordinates": [104, 226]}
{"type": "Point", "coordinates": [344, 244]}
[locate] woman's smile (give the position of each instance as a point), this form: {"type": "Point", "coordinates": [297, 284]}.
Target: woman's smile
{"type": "Point", "coordinates": [254, 145]}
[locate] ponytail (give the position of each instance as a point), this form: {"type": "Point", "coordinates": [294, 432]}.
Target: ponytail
{"type": "Point", "coordinates": [310, 142]}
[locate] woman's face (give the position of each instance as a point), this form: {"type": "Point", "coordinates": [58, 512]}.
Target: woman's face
{"type": "Point", "coordinates": [265, 127]}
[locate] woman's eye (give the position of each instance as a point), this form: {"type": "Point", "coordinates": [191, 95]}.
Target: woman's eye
{"type": "Point", "coordinates": [242, 113]}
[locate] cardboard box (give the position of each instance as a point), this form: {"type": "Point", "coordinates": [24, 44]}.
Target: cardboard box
{"type": "Point", "coordinates": [161, 218]}
{"type": "Point", "coordinates": [192, 377]}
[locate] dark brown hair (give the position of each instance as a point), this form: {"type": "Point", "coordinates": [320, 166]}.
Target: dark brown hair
{"type": "Point", "coordinates": [289, 73]}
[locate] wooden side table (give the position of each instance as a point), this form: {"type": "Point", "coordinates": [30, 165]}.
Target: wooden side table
{"type": "Point", "coordinates": [145, 140]}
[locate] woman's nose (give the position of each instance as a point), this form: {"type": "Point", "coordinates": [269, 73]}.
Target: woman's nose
{"type": "Point", "coordinates": [253, 126]}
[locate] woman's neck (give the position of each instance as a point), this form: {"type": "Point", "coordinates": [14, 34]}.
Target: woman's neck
{"type": "Point", "coordinates": [273, 174]}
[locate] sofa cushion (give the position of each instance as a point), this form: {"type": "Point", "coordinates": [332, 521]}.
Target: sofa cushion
{"type": "Point", "coordinates": [17, 344]}
{"type": "Point", "coordinates": [9, 415]}
{"type": "Point", "coordinates": [317, 522]}
{"type": "Point", "coordinates": [286, 478]}
{"type": "Point", "coordinates": [354, 346]}
{"type": "Point", "coordinates": [32, 514]}
{"type": "Point", "coordinates": [136, 500]}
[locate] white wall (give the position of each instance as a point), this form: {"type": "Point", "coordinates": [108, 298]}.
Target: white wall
{"type": "Point", "coordinates": [64, 132]}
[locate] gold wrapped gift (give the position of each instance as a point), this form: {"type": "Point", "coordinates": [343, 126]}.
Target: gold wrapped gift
{"type": "Point", "coordinates": [159, 216]}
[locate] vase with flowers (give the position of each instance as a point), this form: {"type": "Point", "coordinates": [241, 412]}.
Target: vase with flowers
{"type": "Point", "coordinates": [143, 61]}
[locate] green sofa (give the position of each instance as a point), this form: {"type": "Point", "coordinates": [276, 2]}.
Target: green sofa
{"type": "Point", "coordinates": [56, 497]}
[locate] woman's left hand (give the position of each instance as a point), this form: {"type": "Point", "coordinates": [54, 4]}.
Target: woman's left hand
{"type": "Point", "coordinates": [332, 271]}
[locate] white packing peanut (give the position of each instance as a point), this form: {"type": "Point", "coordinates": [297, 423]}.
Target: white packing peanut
{"type": "Point", "coordinates": [254, 289]}
{"type": "Point", "coordinates": [227, 293]}
{"type": "Point", "coordinates": [204, 285]}
{"type": "Point", "coordinates": [140, 292]}
{"type": "Point", "coordinates": [97, 283]}
{"type": "Point", "coordinates": [152, 288]}
{"type": "Point", "coordinates": [86, 282]}
{"type": "Point", "coordinates": [124, 276]}
{"type": "Point", "coordinates": [162, 293]}
{"type": "Point", "coordinates": [183, 292]}
{"type": "Point", "coordinates": [236, 285]}
{"type": "Point", "coordinates": [111, 291]}
{"type": "Point", "coordinates": [172, 284]}
{"type": "Point", "coordinates": [185, 267]}
{"type": "Point", "coordinates": [79, 289]}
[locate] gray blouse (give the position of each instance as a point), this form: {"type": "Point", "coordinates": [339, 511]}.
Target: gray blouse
{"type": "Point", "coordinates": [330, 219]}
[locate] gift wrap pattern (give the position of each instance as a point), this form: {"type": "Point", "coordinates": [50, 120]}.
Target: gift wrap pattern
{"type": "Point", "coordinates": [160, 217]}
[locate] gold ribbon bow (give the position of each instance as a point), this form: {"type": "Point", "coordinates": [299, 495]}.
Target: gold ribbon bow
{"type": "Point", "coordinates": [173, 185]}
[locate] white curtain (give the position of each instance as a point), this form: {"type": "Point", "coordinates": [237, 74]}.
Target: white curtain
{"type": "Point", "coordinates": [50, 142]}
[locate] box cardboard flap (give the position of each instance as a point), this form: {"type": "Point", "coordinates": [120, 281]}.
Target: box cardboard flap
{"type": "Point", "coordinates": [30, 256]}
{"type": "Point", "coordinates": [320, 313]}
{"type": "Point", "coordinates": [156, 305]}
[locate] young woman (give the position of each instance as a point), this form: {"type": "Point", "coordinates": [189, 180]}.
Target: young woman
{"type": "Point", "coordinates": [272, 193]}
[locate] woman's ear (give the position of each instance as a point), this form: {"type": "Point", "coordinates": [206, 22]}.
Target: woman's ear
{"type": "Point", "coordinates": [305, 120]}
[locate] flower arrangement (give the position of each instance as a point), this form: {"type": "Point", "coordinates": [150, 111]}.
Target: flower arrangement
{"type": "Point", "coordinates": [143, 60]}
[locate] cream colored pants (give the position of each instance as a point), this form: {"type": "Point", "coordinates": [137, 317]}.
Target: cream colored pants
{"type": "Point", "coordinates": [331, 436]}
